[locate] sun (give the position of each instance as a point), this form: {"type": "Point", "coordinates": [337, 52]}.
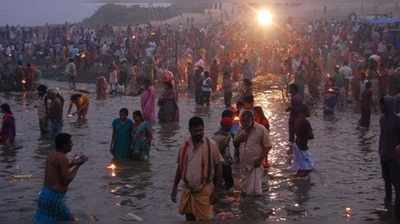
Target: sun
{"type": "Point", "coordinates": [264, 17]}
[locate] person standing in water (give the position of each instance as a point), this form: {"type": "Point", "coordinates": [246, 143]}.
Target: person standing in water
{"type": "Point", "coordinates": [81, 103]}
{"type": "Point", "coordinates": [59, 173]}
{"type": "Point", "coordinates": [8, 131]}
{"type": "Point", "coordinates": [295, 102]}
{"type": "Point", "coordinates": [41, 110]}
{"type": "Point", "coordinates": [121, 136]}
{"type": "Point", "coordinates": [55, 112]}
{"type": "Point", "coordinates": [206, 89]}
{"type": "Point", "coordinates": [197, 160]}
{"type": "Point", "coordinates": [148, 102]}
{"type": "Point", "coordinates": [168, 105]}
{"type": "Point", "coordinates": [71, 72]}
{"type": "Point", "coordinates": [142, 136]}
{"type": "Point", "coordinates": [389, 148]}
{"type": "Point", "coordinates": [302, 161]}
{"type": "Point", "coordinates": [253, 141]}
{"type": "Point", "coordinates": [223, 138]}
{"type": "Point", "coordinates": [366, 104]}
{"type": "Point", "coordinates": [227, 87]}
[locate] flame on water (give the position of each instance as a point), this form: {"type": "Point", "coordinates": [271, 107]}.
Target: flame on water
{"type": "Point", "coordinates": [111, 166]}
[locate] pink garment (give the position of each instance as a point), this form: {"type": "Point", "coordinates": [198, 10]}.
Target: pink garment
{"type": "Point", "coordinates": [148, 103]}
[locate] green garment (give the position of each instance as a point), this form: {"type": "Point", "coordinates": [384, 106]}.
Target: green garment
{"type": "Point", "coordinates": [123, 132]}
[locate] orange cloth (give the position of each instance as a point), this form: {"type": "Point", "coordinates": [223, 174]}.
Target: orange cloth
{"type": "Point", "coordinates": [197, 203]}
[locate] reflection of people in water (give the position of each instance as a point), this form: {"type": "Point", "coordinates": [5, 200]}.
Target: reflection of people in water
{"type": "Point", "coordinates": [121, 136]}
{"type": "Point", "coordinates": [7, 133]}
{"type": "Point", "coordinates": [59, 173]}
{"type": "Point", "coordinates": [81, 103]}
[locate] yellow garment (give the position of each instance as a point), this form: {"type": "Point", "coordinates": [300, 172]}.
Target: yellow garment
{"type": "Point", "coordinates": [197, 203]}
{"type": "Point", "coordinates": [83, 101]}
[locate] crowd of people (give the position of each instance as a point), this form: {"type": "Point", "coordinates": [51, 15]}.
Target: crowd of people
{"type": "Point", "coordinates": [343, 64]}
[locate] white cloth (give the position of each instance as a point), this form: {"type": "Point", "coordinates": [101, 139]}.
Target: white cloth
{"type": "Point", "coordinates": [252, 184]}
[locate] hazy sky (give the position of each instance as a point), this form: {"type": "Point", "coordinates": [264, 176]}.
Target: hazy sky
{"type": "Point", "coordinates": [38, 12]}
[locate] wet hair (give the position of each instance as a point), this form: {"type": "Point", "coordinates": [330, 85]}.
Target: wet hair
{"type": "Point", "coordinates": [124, 110]}
{"type": "Point", "coordinates": [248, 99]}
{"type": "Point", "coordinates": [227, 113]}
{"type": "Point", "coordinates": [75, 96]}
{"type": "Point", "coordinates": [206, 74]}
{"type": "Point", "coordinates": [259, 110]}
{"type": "Point", "coordinates": [5, 108]}
{"type": "Point", "coordinates": [196, 122]}
{"type": "Point", "coordinates": [62, 140]}
{"type": "Point", "coordinates": [168, 85]}
{"type": "Point", "coordinates": [247, 82]}
{"type": "Point", "coordinates": [294, 87]}
{"type": "Point", "coordinates": [70, 60]}
{"type": "Point", "coordinates": [247, 113]}
{"type": "Point", "coordinates": [42, 88]}
{"type": "Point", "coordinates": [138, 114]}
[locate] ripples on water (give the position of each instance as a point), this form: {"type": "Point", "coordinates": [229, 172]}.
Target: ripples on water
{"type": "Point", "coordinates": [347, 169]}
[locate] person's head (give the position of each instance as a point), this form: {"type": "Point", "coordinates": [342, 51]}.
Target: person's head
{"type": "Point", "coordinates": [303, 111]}
{"type": "Point", "coordinates": [293, 89]}
{"type": "Point", "coordinates": [63, 143]}
{"type": "Point", "coordinates": [137, 116]}
{"type": "Point", "coordinates": [123, 114]}
{"type": "Point", "coordinates": [206, 74]}
{"type": "Point", "coordinates": [247, 83]}
{"type": "Point", "coordinates": [258, 112]}
{"type": "Point", "coordinates": [168, 85]}
{"type": "Point", "coordinates": [368, 85]}
{"type": "Point", "coordinates": [146, 83]}
{"type": "Point", "coordinates": [70, 60]}
{"type": "Point", "coordinates": [196, 129]}
{"type": "Point", "coordinates": [42, 90]}
{"type": "Point", "coordinates": [75, 97]}
{"type": "Point", "coordinates": [5, 108]}
{"type": "Point", "coordinates": [246, 119]}
{"type": "Point", "coordinates": [248, 102]}
{"type": "Point", "coordinates": [227, 113]}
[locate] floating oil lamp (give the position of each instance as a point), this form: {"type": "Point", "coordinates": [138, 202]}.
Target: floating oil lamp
{"type": "Point", "coordinates": [236, 118]}
{"type": "Point", "coordinates": [23, 81]}
{"type": "Point", "coordinates": [348, 212]}
{"type": "Point", "coordinates": [112, 167]}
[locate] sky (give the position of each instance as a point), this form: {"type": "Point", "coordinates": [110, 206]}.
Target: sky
{"type": "Point", "coordinates": [39, 12]}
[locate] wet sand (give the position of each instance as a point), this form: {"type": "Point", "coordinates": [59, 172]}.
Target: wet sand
{"type": "Point", "coordinates": [347, 169]}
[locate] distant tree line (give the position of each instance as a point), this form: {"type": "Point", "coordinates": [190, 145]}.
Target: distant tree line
{"type": "Point", "coordinates": [119, 15]}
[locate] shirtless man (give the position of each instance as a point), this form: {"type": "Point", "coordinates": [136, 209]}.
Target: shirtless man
{"type": "Point", "coordinates": [59, 174]}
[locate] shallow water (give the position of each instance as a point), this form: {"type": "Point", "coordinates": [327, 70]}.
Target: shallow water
{"type": "Point", "coordinates": [347, 169]}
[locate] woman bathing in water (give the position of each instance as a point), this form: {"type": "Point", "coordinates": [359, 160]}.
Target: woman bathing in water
{"type": "Point", "coordinates": [81, 103]}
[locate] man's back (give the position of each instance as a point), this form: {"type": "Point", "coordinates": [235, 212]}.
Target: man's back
{"type": "Point", "coordinates": [57, 165]}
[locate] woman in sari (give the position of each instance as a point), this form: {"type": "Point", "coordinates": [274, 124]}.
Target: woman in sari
{"type": "Point", "coordinates": [169, 111]}
{"type": "Point", "coordinates": [141, 136]}
{"type": "Point", "coordinates": [148, 102]}
{"type": "Point", "coordinates": [7, 133]}
{"type": "Point", "coordinates": [121, 137]}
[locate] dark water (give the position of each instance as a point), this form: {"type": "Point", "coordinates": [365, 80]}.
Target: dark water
{"type": "Point", "coordinates": [347, 169]}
